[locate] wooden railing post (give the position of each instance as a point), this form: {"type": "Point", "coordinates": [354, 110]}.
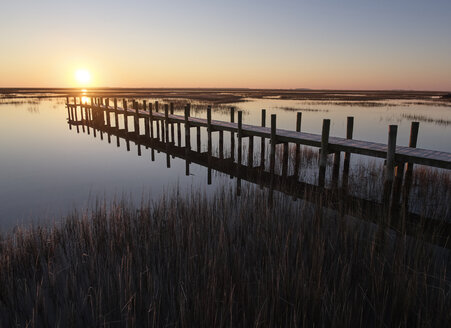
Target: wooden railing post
{"type": "Point", "coordinates": [409, 171]}
{"type": "Point", "coordinates": [209, 131]}
{"type": "Point", "coordinates": [116, 115]}
{"type": "Point", "coordinates": [151, 120]}
{"type": "Point", "coordinates": [232, 135]}
{"type": "Point", "coordinates": [297, 159]}
{"type": "Point", "coordinates": [262, 142]}
{"type": "Point", "coordinates": [157, 121]}
{"type": "Point", "coordinates": [272, 155]}
{"type": "Point", "coordinates": [187, 128]}
{"type": "Point", "coordinates": [240, 136]}
{"type": "Point", "coordinates": [146, 120]}
{"type": "Point", "coordinates": [324, 152]}
{"type": "Point", "coordinates": [135, 105]}
{"type": "Point", "coordinates": [347, 159]}
{"type": "Point", "coordinates": [166, 123]}
{"type": "Point", "coordinates": [171, 110]}
{"type": "Point", "coordinates": [124, 106]}
{"type": "Point", "coordinates": [390, 162]}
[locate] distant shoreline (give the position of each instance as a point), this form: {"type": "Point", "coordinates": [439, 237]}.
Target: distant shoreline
{"type": "Point", "coordinates": [228, 95]}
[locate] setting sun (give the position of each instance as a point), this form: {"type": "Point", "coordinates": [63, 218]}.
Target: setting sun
{"type": "Point", "coordinates": [82, 76]}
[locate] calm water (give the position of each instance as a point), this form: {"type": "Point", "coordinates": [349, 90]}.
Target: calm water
{"type": "Point", "coordinates": [48, 170]}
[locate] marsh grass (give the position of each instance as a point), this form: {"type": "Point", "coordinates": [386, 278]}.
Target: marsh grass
{"type": "Point", "coordinates": [220, 261]}
{"type": "Point", "coordinates": [428, 119]}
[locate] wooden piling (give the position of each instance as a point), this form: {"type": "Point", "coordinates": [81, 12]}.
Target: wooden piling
{"type": "Point", "coordinates": [262, 142]}
{"type": "Point", "coordinates": [221, 144]}
{"type": "Point", "coordinates": [187, 128]}
{"type": "Point", "coordinates": [146, 121]}
{"type": "Point", "coordinates": [250, 155]}
{"type": "Point", "coordinates": [116, 115]}
{"type": "Point", "coordinates": [240, 136]}
{"type": "Point", "coordinates": [179, 134]}
{"type": "Point", "coordinates": [414, 127]}
{"type": "Point", "coordinates": [157, 123]}
{"type": "Point", "coordinates": [76, 110]}
{"type": "Point", "coordinates": [68, 109]}
{"type": "Point", "coordinates": [272, 155]}
{"type": "Point", "coordinates": [171, 108]}
{"type": "Point", "coordinates": [151, 120]}
{"type": "Point", "coordinates": [198, 145]}
{"type": "Point", "coordinates": [297, 158]}
{"type": "Point", "coordinates": [285, 160]}
{"type": "Point", "coordinates": [166, 123]}
{"type": "Point", "coordinates": [135, 106]}
{"type": "Point", "coordinates": [324, 152]}
{"type": "Point", "coordinates": [187, 138]}
{"type": "Point", "coordinates": [124, 105]}
{"type": "Point", "coordinates": [347, 157]}
{"type": "Point", "coordinates": [232, 135]}
{"type": "Point", "coordinates": [209, 131]}
{"type": "Point", "coordinates": [107, 111]}
{"type": "Point", "coordinates": [390, 162]}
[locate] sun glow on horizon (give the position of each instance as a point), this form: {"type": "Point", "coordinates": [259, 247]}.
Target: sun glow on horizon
{"type": "Point", "coordinates": [82, 76]}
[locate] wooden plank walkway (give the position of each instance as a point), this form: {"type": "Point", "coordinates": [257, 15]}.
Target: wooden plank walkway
{"type": "Point", "coordinates": [403, 154]}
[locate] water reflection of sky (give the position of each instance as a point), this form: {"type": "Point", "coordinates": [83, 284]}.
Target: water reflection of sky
{"type": "Point", "coordinates": [47, 169]}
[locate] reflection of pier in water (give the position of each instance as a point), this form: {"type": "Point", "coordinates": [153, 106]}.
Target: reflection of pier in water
{"type": "Point", "coordinates": [98, 118]}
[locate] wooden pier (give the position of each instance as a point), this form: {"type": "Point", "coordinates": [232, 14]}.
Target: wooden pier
{"type": "Point", "coordinates": [333, 197]}
{"type": "Point", "coordinates": [160, 125]}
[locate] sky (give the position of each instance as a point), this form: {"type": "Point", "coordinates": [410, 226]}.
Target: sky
{"type": "Point", "coordinates": [313, 44]}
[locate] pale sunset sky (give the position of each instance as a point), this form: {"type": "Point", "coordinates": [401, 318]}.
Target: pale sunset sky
{"type": "Point", "coordinates": [252, 44]}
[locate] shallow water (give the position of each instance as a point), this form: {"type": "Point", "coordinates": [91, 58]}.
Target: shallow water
{"type": "Point", "coordinates": [47, 169]}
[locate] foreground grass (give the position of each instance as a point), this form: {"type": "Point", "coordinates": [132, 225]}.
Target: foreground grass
{"type": "Point", "coordinates": [220, 261]}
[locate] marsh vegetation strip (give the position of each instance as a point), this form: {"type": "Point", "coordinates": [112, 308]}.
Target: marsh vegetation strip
{"type": "Point", "coordinates": [221, 261]}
